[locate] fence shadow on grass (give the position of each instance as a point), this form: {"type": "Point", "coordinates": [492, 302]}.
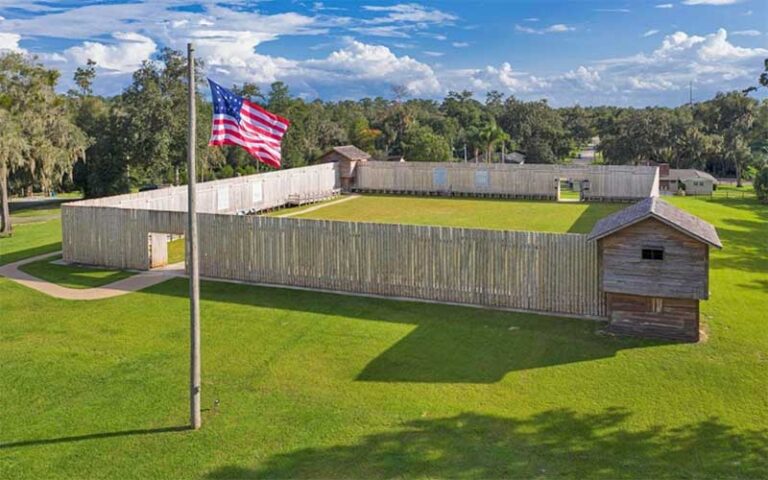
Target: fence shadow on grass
{"type": "Point", "coordinates": [10, 257]}
{"type": "Point", "coordinates": [450, 344]}
{"type": "Point", "coordinates": [551, 444]}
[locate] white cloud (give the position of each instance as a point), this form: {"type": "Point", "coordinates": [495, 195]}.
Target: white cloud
{"type": "Point", "coordinates": [587, 78]}
{"type": "Point", "coordinates": [503, 78]}
{"type": "Point", "coordinates": [358, 61]}
{"type": "Point", "coordinates": [410, 12]}
{"type": "Point", "coordinates": [556, 28]}
{"type": "Point", "coordinates": [710, 2]}
{"type": "Point", "coordinates": [613, 10]}
{"type": "Point", "coordinates": [230, 40]}
{"type": "Point", "coordinates": [391, 31]}
{"type": "Point", "coordinates": [747, 33]}
{"type": "Point", "coordinates": [711, 61]}
{"type": "Point", "coordinates": [717, 47]}
{"type": "Point", "coordinates": [10, 42]}
{"type": "Point", "coordinates": [559, 27]}
{"type": "Point", "coordinates": [431, 53]}
{"type": "Point", "coordinates": [123, 56]}
{"type": "Point", "coordinates": [650, 33]}
{"type": "Point", "coordinates": [531, 19]}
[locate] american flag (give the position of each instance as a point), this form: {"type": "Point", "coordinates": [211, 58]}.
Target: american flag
{"type": "Point", "coordinates": [236, 121]}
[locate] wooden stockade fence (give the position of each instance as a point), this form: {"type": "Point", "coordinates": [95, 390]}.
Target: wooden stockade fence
{"type": "Point", "coordinates": [606, 183]}
{"type": "Point", "coordinates": [532, 271]}
{"type": "Point", "coordinates": [541, 272]}
{"type": "Point", "coordinates": [263, 191]}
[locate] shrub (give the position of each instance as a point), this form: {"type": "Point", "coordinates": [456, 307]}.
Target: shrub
{"type": "Point", "coordinates": [761, 184]}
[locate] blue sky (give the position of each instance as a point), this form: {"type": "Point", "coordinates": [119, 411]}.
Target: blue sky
{"type": "Point", "coordinates": [588, 52]}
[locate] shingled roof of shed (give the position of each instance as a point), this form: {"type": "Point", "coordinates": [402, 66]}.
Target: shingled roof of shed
{"type": "Point", "coordinates": [352, 152]}
{"type": "Point", "coordinates": [653, 207]}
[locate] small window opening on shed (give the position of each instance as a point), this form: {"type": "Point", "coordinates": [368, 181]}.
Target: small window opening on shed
{"type": "Point", "coordinates": [653, 253]}
{"type": "Point", "coordinates": [657, 305]}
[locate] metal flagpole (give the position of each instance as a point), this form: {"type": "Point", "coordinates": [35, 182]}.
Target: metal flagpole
{"type": "Point", "coordinates": [192, 263]}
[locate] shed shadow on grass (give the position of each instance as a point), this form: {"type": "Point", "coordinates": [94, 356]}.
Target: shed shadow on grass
{"type": "Point", "coordinates": [486, 348]}
{"type": "Point", "coordinates": [450, 344]}
{"type": "Point", "coordinates": [555, 443]}
{"type": "Point", "coordinates": [594, 212]}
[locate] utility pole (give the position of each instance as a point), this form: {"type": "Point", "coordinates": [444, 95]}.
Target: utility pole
{"type": "Point", "coordinates": [192, 259]}
{"type": "Point", "coordinates": [465, 153]}
{"type": "Point", "coordinates": [690, 93]}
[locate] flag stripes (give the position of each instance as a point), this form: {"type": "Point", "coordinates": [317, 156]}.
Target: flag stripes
{"type": "Point", "coordinates": [237, 121]}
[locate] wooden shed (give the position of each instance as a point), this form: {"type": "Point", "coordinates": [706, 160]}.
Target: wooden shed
{"type": "Point", "coordinates": [347, 157]}
{"type": "Point", "coordinates": [654, 269]}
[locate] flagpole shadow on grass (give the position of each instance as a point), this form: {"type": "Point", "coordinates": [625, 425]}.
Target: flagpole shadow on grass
{"type": "Point", "coordinates": [93, 436]}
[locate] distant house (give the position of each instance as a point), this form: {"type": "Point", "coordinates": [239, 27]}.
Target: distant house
{"type": "Point", "coordinates": [347, 157]}
{"type": "Point", "coordinates": [655, 269]}
{"type": "Point", "coordinates": [515, 156]}
{"type": "Point", "coordinates": [695, 182]}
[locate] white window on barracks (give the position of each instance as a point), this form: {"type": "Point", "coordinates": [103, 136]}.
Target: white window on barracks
{"type": "Point", "coordinates": [256, 193]}
{"type": "Point", "coordinates": [222, 199]}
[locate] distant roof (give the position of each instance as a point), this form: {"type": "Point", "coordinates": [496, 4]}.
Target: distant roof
{"type": "Point", "coordinates": [687, 173]}
{"type": "Point", "coordinates": [351, 152]}
{"type": "Point", "coordinates": [653, 207]}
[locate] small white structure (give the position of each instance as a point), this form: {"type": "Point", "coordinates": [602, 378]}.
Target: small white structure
{"type": "Point", "coordinates": [695, 182]}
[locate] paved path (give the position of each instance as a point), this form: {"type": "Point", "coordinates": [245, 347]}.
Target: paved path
{"type": "Point", "coordinates": [587, 157]}
{"type": "Point", "coordinates": [133, 283]}
{"type": "Point", "coordinates": [322, 205]}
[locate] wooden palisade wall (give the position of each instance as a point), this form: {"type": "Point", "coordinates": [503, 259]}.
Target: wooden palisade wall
{"type": "Point", "coordinates": [542, 272]}
{"type": "Point", "coordinates": [609, 183]}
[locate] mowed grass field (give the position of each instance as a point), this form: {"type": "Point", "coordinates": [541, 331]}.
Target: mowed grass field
{"type": "Point", "coordinates": [460, 212]}
{"type": "Point", "coordinates": [299, 384]}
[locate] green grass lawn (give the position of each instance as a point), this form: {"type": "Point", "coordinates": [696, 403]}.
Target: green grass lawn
{"type": "Point", "coordinates": [467, 212]}
{"type": "Point", "coordinates": [29, 240]}
{"type": "Point", "coordinates": [73, 276]}
{"type": "Point", "coordinates": [36, 230]}
{"type": "Point", "coordinates": [176, 251]}
{"type": "Point", "coordinates": [299, 384]}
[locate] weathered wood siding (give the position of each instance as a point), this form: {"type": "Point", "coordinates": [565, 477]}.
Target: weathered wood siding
{"type": "Point", "coordinates": [346, 166]}
{"type": "Point", "coordinates": [261, 191]}
{"type": "Point", "coordinates": [112, 236]}
{"type": "Point", "coordinates": [672, 318]}
{"type": "Point", "coordinates": [524, 181]}
{"type": "Point", "coordinates": [457, 178]}
{"type": "Point", "coordinates": [542, 272]}
{"type": "Point", "coordinates": [683, 273]}
{"type": "Point", "coordinates": [114, 231]}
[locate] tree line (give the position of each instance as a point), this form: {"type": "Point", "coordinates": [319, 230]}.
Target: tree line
{"type": "Point", "coordinates": [109, 145]}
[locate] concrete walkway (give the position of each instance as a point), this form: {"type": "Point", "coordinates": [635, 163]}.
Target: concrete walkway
{"type": "Point", "coordinates": [318, 207]}
{"type": "Point", "coordinates": [136, 282]}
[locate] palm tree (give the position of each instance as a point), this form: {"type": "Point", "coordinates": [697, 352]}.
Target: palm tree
{"type": "Point", "coordinates": [491, 135]}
